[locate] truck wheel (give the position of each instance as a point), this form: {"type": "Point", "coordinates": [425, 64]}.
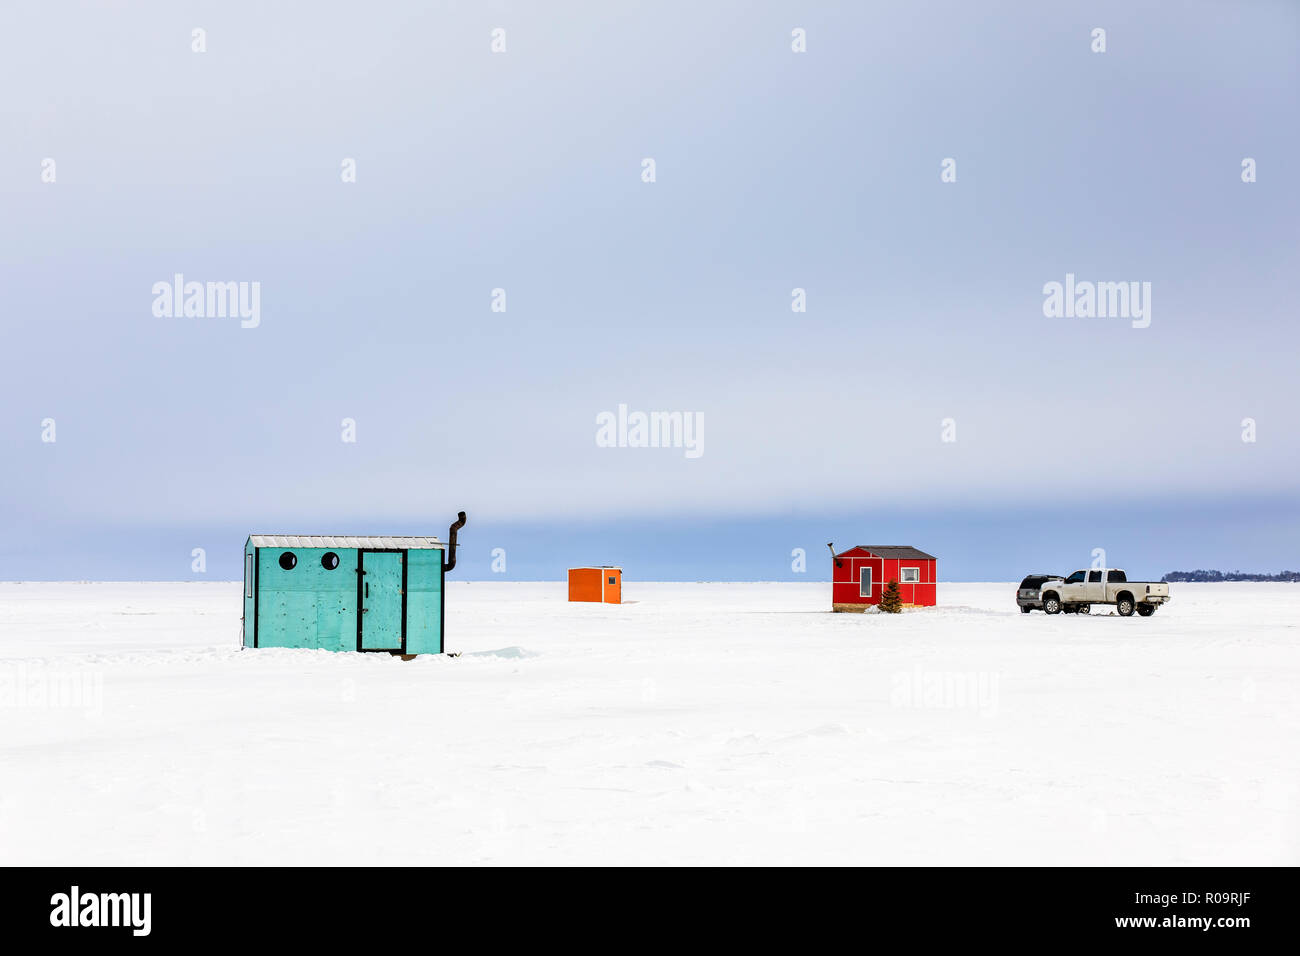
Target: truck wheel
{"type": "Point", "coordinates": [1125, 605]}
{"type": "Point", "coordinates": [1084, 609]}
{"type": "Point", "coordinates": [1052, 604]}
{"type": "Point", "coordinates": [1146, 610]}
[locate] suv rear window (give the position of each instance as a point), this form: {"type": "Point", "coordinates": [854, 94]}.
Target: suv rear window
{"type": "Point", "coordinates": [1034, 581]}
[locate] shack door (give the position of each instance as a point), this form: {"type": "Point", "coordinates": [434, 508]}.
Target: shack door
{"type": "Point", "coordinates": [382, 601]}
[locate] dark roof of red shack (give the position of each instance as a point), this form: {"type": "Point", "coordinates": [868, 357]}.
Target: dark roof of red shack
{"type": "Point", "coordinates": [902, 551]}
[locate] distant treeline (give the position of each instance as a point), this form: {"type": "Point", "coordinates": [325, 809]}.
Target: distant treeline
{"type": "Point", "coordinates": [1230, 576]}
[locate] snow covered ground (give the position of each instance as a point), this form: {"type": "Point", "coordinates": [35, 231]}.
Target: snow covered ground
{"type": "Point", "coordinates": [708, 723]}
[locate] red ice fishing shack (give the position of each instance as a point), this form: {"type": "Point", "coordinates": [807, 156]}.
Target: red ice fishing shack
{"type": "Point", "coordinates": [860, 574]}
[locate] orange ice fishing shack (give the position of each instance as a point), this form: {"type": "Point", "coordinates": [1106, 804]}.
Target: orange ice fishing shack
{"type": "Point", "coordinates": [602, 585]}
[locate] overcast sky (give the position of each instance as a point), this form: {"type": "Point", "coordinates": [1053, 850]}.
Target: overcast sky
{"type": "Point", "coordinates": [774, 170]}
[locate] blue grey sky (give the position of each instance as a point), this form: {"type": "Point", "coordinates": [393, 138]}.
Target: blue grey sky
{"type": "Point", "coordinates": [775, 170]}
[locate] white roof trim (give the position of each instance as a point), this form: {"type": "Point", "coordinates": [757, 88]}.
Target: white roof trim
{"type": "Point", "coordinates": [383, 542]}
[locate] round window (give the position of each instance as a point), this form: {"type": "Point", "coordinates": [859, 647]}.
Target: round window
{"type": "Point", "coordinates": [287, 560]}
{"type": "Point", "coordinates": [329, 560]}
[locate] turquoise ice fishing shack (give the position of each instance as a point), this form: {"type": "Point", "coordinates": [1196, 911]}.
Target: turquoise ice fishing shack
{"type": "Point", "coordinates": [347, 592]}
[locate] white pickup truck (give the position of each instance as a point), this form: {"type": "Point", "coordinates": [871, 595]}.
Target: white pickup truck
{"type": "Point", "coordinates": [1078, 592]}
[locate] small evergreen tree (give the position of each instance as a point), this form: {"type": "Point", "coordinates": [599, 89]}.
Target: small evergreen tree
{"type": "Point", "coordinates": [891, 602]}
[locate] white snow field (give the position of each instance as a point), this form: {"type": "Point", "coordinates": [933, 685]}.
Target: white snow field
{"type": "Point", "coordinates": [700, 724]}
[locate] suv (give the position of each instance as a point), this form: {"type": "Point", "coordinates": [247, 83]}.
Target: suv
{"type": "Point", "coordinates": [1029, 594]}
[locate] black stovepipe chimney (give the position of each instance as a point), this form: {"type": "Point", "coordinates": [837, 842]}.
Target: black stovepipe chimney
{"type": "Point", "coordinates": [450, 561]}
